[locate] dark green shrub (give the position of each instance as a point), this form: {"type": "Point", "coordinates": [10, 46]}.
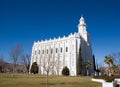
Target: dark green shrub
{"type": "Point", "coordinates": [109, 78]}
{"type": "Point", "coordinates": [65, 71]}
{"type": "Point", "coordinates": [34, 68]}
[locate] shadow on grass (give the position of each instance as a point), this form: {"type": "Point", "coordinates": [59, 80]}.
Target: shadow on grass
{"type": "Point", "coordinates": [47, 83]}
{"type": "Point", "coordinates": [51, 84]}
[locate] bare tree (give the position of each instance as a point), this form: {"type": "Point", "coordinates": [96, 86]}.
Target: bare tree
{"type": "Point", "coordinates": [15, 53]}
{"type": "Point", "coordinates": [47, 63]}
{"type": "Point", "coordinates": [116, 57]}
{"type": "Point", "coordinates": [25, 59]}
{"type": "Point", "coordinates": [57, 63]}
{"type": "Point", "coordinates": [100, 68]}
{"type": "Point", "coordinates": [2, 63]}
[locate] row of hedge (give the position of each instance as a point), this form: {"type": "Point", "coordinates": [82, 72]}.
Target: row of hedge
{"type": "Point", "coordinates": [106, 78]}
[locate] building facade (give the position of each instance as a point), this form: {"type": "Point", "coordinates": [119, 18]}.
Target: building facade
{"type": "Point", "coordinates": [54, 54]}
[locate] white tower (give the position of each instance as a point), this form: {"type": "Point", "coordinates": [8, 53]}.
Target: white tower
{"type": "Point", "coordinates": [85, 44]}
{"type": "Point", "coordinates": [82, 28]}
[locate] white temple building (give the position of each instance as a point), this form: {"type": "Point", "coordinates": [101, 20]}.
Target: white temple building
{"type": "Point", "coordinates": [55, 54]}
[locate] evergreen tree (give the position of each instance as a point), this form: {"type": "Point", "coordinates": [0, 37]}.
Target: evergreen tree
{"type": "Point", "coordinates": [34, 68]}
{"type": "Point", "coordinates": [65, 71]}
{"type": "Point", "coordinates": [79, 64]}
{"type": "Point", "coordinates": [94, 63]}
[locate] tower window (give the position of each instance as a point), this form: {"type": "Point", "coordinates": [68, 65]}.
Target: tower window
{"type": "Point", "coordinates": [35, 52]}
{"type": "Point", "coordinates": [66, 49]}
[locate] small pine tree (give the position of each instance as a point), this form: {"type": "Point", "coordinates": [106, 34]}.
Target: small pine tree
{"type": "Point", "coordinates": [34, 68]}
{"type": "Point", "coordinates": [65, 71]}
{"type": "Point", "coordinates": [79, 64]}
{"type": "Point", "coordinates": [94, 63]}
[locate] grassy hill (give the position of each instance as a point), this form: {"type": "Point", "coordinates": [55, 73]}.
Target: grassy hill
{"type": "Point", "coordinates": [25, 80]}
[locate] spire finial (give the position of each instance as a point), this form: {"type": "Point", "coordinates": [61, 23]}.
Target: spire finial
{"type": "Point", "coordinates": [81, 15]}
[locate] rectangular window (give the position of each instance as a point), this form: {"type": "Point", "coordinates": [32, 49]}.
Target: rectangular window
{"type": "Point", "coordinates": [43, 51]}
{"type": "Point", "coordinates": [39, 51]}
{"type": "Point", "coordinates": [47, 51]}
{"type": "Point", "coordinates": [61, 50]}
{"type": "Point", "coordinates": [51, 51]}
{"type": "Point", "coordinates": [56, 50]}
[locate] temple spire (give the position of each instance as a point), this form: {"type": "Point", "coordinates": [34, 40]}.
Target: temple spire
{"type": "Point", "coordinates": [82, 28]}
{"type": "Point", "coordinates": [81, 25]}
{"type": "Point", "coordinates": [81, 15]}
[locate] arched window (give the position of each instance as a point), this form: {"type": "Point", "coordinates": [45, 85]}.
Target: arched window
{"type": "Point", "coordinates": [39, 51]}
{"type": "Point", "coordinates": [43, 51]}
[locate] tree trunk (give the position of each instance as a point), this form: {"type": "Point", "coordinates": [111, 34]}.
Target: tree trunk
{"type": "Point", "coordinates": [109, 71]}
{"type": "Point", "coordinates": [47, 78]}
{"type": "Point", "coordinates": [14, 70]}
{"type": "Point", "coordinates": [87, 72]}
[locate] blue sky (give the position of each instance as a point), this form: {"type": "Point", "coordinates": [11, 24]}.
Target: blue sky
{"type": "Point", "coordinates": [26, 21]}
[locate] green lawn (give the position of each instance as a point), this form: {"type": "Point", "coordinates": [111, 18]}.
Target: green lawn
{"type": "Point", "coordinates": [23, 80]}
